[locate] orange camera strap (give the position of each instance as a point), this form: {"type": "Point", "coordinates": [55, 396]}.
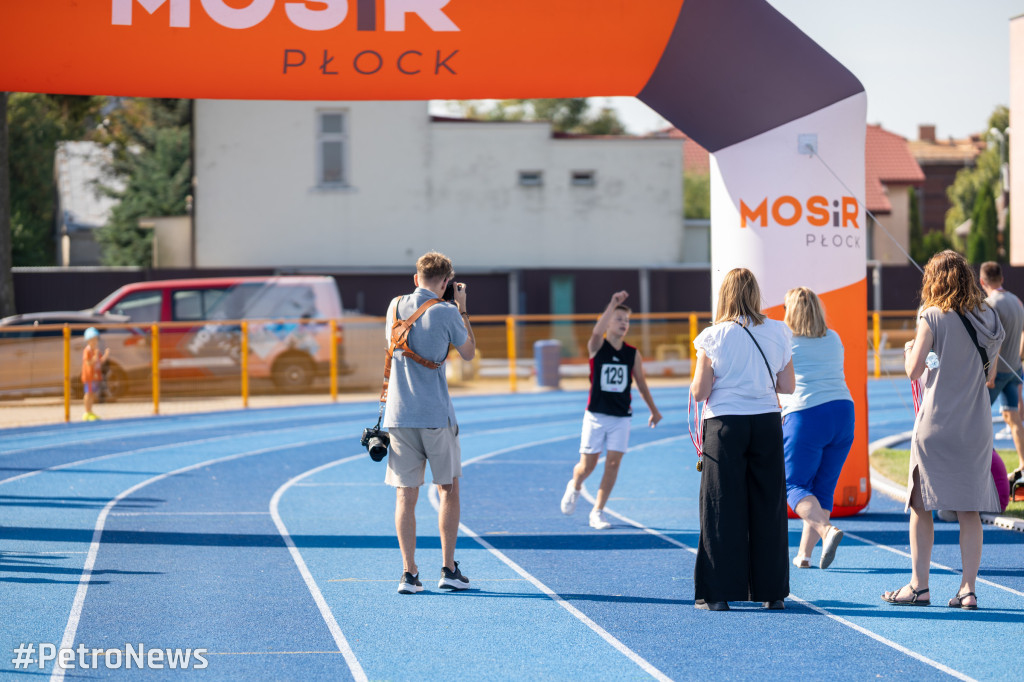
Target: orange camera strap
{"type": "Point", "coordinates": [400, 341]}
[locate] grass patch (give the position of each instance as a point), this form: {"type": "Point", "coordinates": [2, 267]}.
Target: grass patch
{"type": "Point", "coordinates": [895, 465]}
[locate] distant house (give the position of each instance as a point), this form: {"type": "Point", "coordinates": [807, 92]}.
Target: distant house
{"type": "Point", "coordinates": [364, 185]}
{"type": "Point", "coordinates": [82, 208]}
{"type": "Point", "coordinates": [696, 231]}
{"type": "Point", "coordinates": [940, 160]}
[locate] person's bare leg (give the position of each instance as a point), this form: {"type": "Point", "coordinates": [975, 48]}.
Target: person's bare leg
{"type": "Point", "coordinates": [970, 553]}
{"type": "Point", "coordinates": [922, 538]}
{"type": "Point", "coordinates": [583, 469]}
{"type": "Point", "coordinates": [809, 509]}
{"type": "Point", "coordinates": [88, 399]}
{"type": "Point", "coordinates": [405, 526]}
{"type": "Point", "coordinates": [611, 474]}
{"type": "Point", "coordinates": [449, 510]}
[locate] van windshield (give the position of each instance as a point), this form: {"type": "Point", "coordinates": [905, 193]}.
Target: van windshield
{"type": "Point", "coordinates": [270, 300]}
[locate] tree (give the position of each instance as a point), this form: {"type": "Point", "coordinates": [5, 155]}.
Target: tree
{"type": "Point", "coordinates": [567, 115]}
{"type": "Point", "coordinates": [36, 123]}
{"type": "Point", "coordinates": [6, 276]}
{"type": "Point", "coordinates": [151, 141]}
{"type": "Point", "coordinates": [983, 241]}
{"type": "Point", "coordinates": [968, 183]}
{"type": "Point", "coordinates": [697, 196]}
{"type": "Point", "coordinates": [932, 243]}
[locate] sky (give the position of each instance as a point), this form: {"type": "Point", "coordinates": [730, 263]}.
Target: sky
{"type": "Point", "coordinates": [943, 62]}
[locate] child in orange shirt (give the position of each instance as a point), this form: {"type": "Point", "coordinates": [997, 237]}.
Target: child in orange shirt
{"type": "Point", "coordinates": [92, 370]}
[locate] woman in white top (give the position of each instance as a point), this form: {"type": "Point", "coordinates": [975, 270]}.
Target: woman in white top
{"type": "Point", "coordinates": [743, 361]}
{"type": "Point", "coordinates": [818, 428]}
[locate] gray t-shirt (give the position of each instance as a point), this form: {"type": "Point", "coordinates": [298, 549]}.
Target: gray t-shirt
{"type": "Point", "coordinates": [1011, 314]}
{"type": "Point", "coordinates": [418, 396]}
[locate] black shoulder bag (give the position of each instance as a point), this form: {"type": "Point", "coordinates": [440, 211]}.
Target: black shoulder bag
{"type": "Point", "coordinates": [974, 337]}
{"type": "Point", "coordinates": [771, 374]}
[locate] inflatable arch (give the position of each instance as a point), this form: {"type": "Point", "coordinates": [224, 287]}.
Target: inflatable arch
{"type": "Point", "coordinates": [783, 120]}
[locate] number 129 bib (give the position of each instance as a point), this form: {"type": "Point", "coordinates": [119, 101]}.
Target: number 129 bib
{"type": "Point", "coordinates": [614, 378]}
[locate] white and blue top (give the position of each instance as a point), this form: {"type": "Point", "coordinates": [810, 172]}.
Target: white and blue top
{"type": "Point", "coordinates": [742, 382]}
{"type": "Point", "coordinates": [818, 364]}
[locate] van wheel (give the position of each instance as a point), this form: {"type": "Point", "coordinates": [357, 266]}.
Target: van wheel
{"type": "Point", "coordinates": [116, 383]}
{"type": "Point", "coordinates": [293, 373]}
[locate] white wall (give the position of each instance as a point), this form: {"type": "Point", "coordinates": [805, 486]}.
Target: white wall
{"type": "Point", "coordinates": [1017, 140]}
{"type": "Point", "coordinates": [418, 185]}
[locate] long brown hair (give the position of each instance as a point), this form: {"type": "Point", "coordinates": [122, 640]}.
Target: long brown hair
{"type": "Point", "coordinates": [949, 284]}
{"type": "Point", "coordinates": [739, 297]}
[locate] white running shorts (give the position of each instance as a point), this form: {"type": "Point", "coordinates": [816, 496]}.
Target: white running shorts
{"type": "Point", "coordinates": [604, 432]}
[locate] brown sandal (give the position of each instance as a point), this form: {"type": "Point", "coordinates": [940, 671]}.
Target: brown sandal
{"type": "Point", "coordinates": [913, 601]}
{"type": "Point", "coordinates": [957, 602]}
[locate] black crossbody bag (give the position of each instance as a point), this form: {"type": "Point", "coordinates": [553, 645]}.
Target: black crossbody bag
{"type": "Point", "coordinates": [771, 375]}
{"type": "Point", "coordinates": [974, 337]}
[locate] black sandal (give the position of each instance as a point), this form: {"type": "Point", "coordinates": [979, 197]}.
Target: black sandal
{"type": "Point", "coordinates": [914, 601]}
{"type": "Point", "coordinates": [957, 602]}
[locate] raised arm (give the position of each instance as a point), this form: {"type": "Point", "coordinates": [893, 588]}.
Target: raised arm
{"type": "Point", "coordinates": [597, 336]}
{"type": "Point", "coordinates": [468, 349]}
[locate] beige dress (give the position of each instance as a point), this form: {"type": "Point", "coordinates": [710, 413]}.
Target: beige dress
{"type": "Point", "coordinates": [952, 442]}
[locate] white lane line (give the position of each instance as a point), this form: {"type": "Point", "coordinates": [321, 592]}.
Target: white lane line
{"type": "Point", "coordinates": [156, 448]}
{"type": "Point", "coordinates": [643, 663]}
{"type": "Point", "coordinates": [67, 641]}
{"type": "Point", "coordinates": [193, 513]}
{"type": "Point", "coordinates": [864, 631]}
{"type": "Point", "coordinates": [934, 564]}
{"type": "Point", "coordinates": [325, 611]}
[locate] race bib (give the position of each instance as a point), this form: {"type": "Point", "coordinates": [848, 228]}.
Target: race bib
{"type": "Point", "coordinates": [614, 378]}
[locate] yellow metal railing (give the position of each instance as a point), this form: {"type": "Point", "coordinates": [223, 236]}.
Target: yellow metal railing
{"type": "Point", "coordinates": [245, 358]}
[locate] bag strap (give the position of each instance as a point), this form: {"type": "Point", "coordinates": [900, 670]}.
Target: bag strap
{"type": "Point", "coordinates": [400, 341]}
{"type": "Point", "coordinates": [771, 375]}
{"type": "Point", "coordinates": [974, 337]}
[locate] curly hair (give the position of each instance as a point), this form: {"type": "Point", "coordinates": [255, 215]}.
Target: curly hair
{"type": "Point", "coordinates": [949, 284]}
{"type": "Point", "coordinates": [739, 297]}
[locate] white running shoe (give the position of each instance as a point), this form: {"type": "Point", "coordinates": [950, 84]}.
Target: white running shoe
{"type": "Point", "coordinates": [597, 520]}
{"type": "Point", "coordinates": [569, 499]}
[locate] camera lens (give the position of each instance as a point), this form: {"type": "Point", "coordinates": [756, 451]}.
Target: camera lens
{"type": "Point", "coordinates": [377, 449]}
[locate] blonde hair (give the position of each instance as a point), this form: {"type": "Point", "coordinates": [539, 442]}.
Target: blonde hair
{"type": "Point", "coordinates": [949, 284]}
{"type": "Point", "coordinates": [434, 266]}
{"type": "Point", "coordinates": [739, 297]}
{"type": "Point", "coordinates": [805, 314]}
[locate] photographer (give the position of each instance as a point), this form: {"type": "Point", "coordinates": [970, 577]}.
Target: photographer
{"type": "Point", "coordinates": [420, 417]}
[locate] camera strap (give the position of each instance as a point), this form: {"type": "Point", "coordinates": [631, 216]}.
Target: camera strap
{"type": "Point", "coordinates": [400, 341]}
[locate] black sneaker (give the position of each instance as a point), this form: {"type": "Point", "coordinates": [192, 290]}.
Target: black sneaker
{"type": "Point", "coordinates": [410, 584]}
{"type": "Point", "coordinates": [453, 580]}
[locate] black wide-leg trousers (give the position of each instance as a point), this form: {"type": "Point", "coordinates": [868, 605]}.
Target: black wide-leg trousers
{"type": "Point", "coordinates": [743, 553]}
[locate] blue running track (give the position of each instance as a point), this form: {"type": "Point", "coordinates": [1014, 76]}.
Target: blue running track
{"type": "Point", "coordinates": [266, 537]}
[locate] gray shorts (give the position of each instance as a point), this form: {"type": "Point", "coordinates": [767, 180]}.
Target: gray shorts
{"type": "Point", "coordinates": [411, 449]}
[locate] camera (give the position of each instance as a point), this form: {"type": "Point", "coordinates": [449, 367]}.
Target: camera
{"type": "Point", "coordinates": [449, 292]}
{"type": "Point", "coordinates": [376, 442]}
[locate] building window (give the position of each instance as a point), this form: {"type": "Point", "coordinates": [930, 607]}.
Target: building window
{"type": "Point", "coordinates": [531, 178]}
{"type": "Point", "coordinates": [583, 178]}
{"type": "Point", "coordinates": [332, 148]}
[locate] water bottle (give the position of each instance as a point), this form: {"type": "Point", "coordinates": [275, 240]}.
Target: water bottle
{"type": "Point", "coordinates": [932, 361]}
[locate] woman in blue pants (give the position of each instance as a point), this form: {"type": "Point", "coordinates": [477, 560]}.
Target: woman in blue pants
{"type": "Point", "coordinates": [817, 429]}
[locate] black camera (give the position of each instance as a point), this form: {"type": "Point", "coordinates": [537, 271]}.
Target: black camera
{"type": "Point", "coordinates": [449, 292]}
{"type": "Point", "coordinates": [376, 442]}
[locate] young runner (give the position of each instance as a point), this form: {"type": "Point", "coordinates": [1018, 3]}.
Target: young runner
{"type": "Point", "coordinates": [614, 364]}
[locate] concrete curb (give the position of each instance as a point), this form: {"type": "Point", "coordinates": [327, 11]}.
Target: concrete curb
{"type": "Point", "coordinates": [899, 492]}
